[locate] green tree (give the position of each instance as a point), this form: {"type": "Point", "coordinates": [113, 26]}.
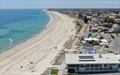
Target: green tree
{"type": "Point", "coordinates": [85, 19]}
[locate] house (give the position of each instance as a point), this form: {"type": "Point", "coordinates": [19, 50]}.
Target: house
{"type": "Point", "coordinates": [117, 20]}
{"type": "Point", "coordinates": [92, 63]}
{"type": "Point", "coordinates": [115, 27]}
{"type": "Point", "coordinates": [91, 39]}
{"type": "Point", "coordinates": [107, 25]}
{"type": "Point", "coordinates": [104, 42]}
{"type": "Point", "coordinates": [94, 29]}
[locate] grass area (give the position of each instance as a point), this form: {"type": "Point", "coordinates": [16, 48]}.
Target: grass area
{"type": "Point", "coordinates": [54, 72]}
{"type": "Point", "coordinates": [71, 74]}
{"type": "Point", "coordinates": [78, 28]}
{"type": "Point", "coordinates": [116, 31]}
{"type": "Point", "coordinates": [79, 25]}
{"type": "Point", "coordinates": [68, 44]}
{"type": "Point", "coordinates": [110, 51]}
{"type": "Point", "coordinates": [59, 57]}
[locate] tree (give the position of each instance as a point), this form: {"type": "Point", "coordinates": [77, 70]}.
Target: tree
{"type": "Point", "coordinates": [85, 19]}
{"type": "Point", "coordinates": [80, 16]}
{"type": "Point", "coordinates": [109, 20]}
{"type": "Point", "coordinates": [101, 37]}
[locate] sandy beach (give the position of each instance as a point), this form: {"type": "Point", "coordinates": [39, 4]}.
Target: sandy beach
{"type": "Point", "coordinates": [34, 56]}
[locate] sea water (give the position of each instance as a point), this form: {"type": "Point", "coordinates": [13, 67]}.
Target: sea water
{"type": "Point", "coordinates": [19, 25]}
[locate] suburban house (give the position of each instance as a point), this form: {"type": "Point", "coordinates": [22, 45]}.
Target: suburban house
{"type": "Point", "coordinates": [115, 27]}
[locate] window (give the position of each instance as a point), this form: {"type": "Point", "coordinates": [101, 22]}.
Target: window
{"type": "Point", "coordinates": [105, 68]}
{"type": "Point", "coordinates": [110, 67]}
{"type": "Point", "coordinates": [92, 68]}
{"type": "Point", "coordinates": [96, 65]}
{"type": "Point", "coordinates": [87, 68]}
{"type": "Point", "coordinates": [101, 68]}
{"type": "Point", "coordinates": [71, 70]}
{"type": "Point", "coordinates": [111, 64]}
{"type": "Point", "coordinates": [105, 65]}
{"type": "Point", "coordinates": [96, 68]}
{"type": "Point", "coordinates": [73, 65]}
{"type": "Point", "coordinates": [100, 65]}
{"type": "Point", "coordinates": [87, 65]}
{"type": "Point", "coordinates": [82, 65]}
{"type": "Point", "coordinates": [92, 65]}
{"type": "Point", "coordinates": [119, 65]}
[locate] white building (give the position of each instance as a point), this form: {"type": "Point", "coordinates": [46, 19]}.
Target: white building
{"type": "Point", "coordinates": [104, 42]}
{"type": "Point", "coordinates": [91, 39]}
{"type": "Point", "coordinates": [85, 63]}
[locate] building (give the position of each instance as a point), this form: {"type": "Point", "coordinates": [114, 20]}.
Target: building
{"type": "Point", "coordinates": [91, 39]}
{"type": "Point", "coordinates": [88, 50]}
{"type": "Point", "coordinates": [117, 20]}
{"type": "Point", "coordinates": [115, 27]}
{"type": "Point", "coordinates": [94, 28]}
{"type": "Point", "coordinates": [88, 63]}
{"type": "Point", "coordinates": [104, 42]}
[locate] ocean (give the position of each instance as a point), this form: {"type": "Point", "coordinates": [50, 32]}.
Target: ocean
{"type": "Point", "coordinates": [19, 25]}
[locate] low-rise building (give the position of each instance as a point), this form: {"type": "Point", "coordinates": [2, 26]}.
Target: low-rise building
{"type": "Point", "coordinates": [104, 42]}
{"type": "Point", "coordinates": [87, 50]}
{"type": "Point", "coordinates": [91, 39]}
{"type": "Point", "coordinates": [117, 20]}
{"type": "Point", "coordinates": [115, 27]}
{"type": "Point", "coordinates": [87, 63]}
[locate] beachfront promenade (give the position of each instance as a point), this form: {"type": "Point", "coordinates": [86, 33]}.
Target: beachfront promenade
{"type": "Point", "coordinates": [35, 55]}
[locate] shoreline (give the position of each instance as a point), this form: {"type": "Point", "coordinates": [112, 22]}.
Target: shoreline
{"type": "Point", "coordinates": [39, 49]}
{"type": "Point", "coordinates": [36, 34]}
{"type": "Point", "coordinates": [32, 35]}
{"type": "Point", "coordinates": [51, 18]}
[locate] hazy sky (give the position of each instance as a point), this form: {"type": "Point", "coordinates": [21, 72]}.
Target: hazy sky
{"type": "Point", "coordinates": [59, 4]}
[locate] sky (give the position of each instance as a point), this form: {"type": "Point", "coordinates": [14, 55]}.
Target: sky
{"type": "Point", "coordinates": [35, 4]}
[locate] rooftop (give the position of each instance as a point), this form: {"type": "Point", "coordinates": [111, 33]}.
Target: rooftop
{"type": "Point", "coordinates": [104, 40]}
{"type": "Point", "coordinates": [88, 49]}
{"type": "Point", "coordinates": [92, 59]}
{"type": "Point", "coordinates": [90, 39]}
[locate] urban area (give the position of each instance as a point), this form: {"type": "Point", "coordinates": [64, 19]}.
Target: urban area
{"type": "Point", "coordinates": [95, 46]}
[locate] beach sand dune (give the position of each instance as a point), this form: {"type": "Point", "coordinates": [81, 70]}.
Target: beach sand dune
{"type": "Point", "coordinates": [35, 55]}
